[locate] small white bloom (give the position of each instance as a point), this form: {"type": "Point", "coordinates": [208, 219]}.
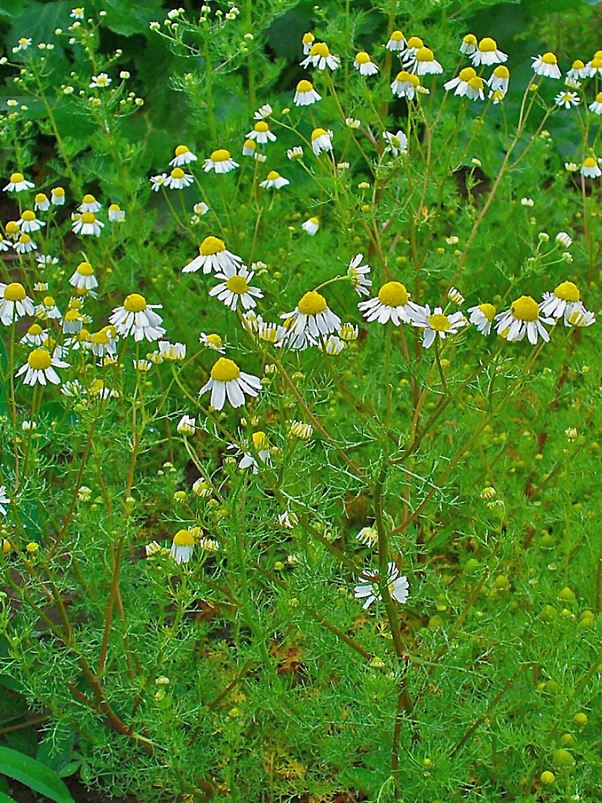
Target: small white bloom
{"type": "Point", "coordinates": [311, 320]}
{"type": "Point", "coordinates": [136, 317]}
{"type": "Point", "coordinates": [397, 42]}
{"type": "Point", "coordinates": [40, 368]}
{"type": "Point", "coordinates": [391, 304]}
{"type": "Point", "coordinates": [182, 546]}
{"type": "Point", "coordinates": [590, 168]}
{"type": "Point", "coordinates": [213, 256]}
{"type": "Point", "coordinates": [274, 181]}
{"type": "Point", "coordinates": [236, 287]}
{"type": "Point", "coordinates": [261, 133]}
{"type": "Point", "coordinates": [320, 56]}
{"type": "Point", "coordinates": [396, 143]}
{"type": "Point", "coordinates": [18, 183]}
{"type": "Point", "coordinates": [358, 275]}
{"type": "Point", "coordinates": [158, 181]}
{"type": "Point", "coordinates": [487, 53]}
{"type": "Point", "coordinates": [305, 94]}
{"type": "Point", "coordinates": [321, 140]}
{"type": "Point", "coordinates": [567, 100]}
{"type": "Point", "coordinates": [437, 323]}
{"type": "Point", "coordinates": [178, 179]}
{"type": "Point", "coordinates": [397, 585]}
{"type": "Point", "coordinates": [219, 162]}
{"type": "Point", "coordinates": [482, 316]}
{"type": "Point", "coordinates": [86, 224]}
{"type": "Point", "coordinates": [311, 226]}
{"type": "Point", "coordinates": [227, 381]}
{"type": "Point", "coordinates": [364, 64]}
{"type": "Point", "coordinates": [182, 156]}
{"type": "Point", "coordinates": [523, 318]}
{"type": "Point", "coordinates": [546, 65]}
{"type": "Point", "coordinates": [263, 112]}
{"type": "Point", "coordinates": [186, 425]}
{"type": "Point", "coordinates": [100, 81]}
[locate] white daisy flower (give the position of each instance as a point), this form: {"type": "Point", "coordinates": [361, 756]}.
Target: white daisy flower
{"type": "Point", "coordinates": [460, 83]}
{"type": "Point", "coordinates": [18, 183]}
{"type": "Point", "coordinates": [178, 179]}
{"type": "Point", "coordinates": [46, 259]}
{"type": "Point", "coordinates": [413, 45]}
{"type": "Point", "coordinates": [332, 345]}
{"type": "Point", "coordinates": [186, 425]}
{"type": "Point", "coordinates": [474, 90]}
{"type": "Point", "coordinates": [596, 105]}
{"type": "Point", "coordinates": [48, 310]}
{"type": "Point", "coordinates": [100, 81]}
{"type": "Point", "coordinates": [426, 63]}
{"type": "Point", "coordinates": [311, 226]}
{"type": "Point", "coordinates": [182, 546]}
{"type": "Point", "coordinates": [349, 332]}
{"type": "Point", "coordinates": [261, 133]}
{"type": "Point", "coordinates": [23, 43]}
{"type": "Point", "coordinates": [437, 323]}
{"type": "Point", "coordinates": [136, 317]}
{"type": "Point", "coordinates": [249, 148]}
{"type": "Point", "coordinates": [87, 224]}
{"type": "Point", "coordinates": [368, 536]}
{"type": "Point", "coordinates": [499, 79]}
{"type": "Point", "coordinates": [364, 64]}
{"type": "Point", "coordinates": [405, 85]}
{"type": "Point", "coordinates": [104, 342]}
{"type": "Point", "coordinates": [25, 244]}
{"type": "Point", "coordinates": [391, 304]}
{"type": "Point", "coordinates": [84, 277]}
{"type": "Point", "coordinates": [564, 302]}
{"type": "Point", "coordinates": [358, 275]}
{"type": "Point", "coordinates": [594, 67]}
{"type": "Point", "coordinates": [29, 223]}
{"type": "Point", "coordinates": [578, 71]}
{"type": "Point", "coordinates": [158, 181]}
{"type": "Point", "coordinates": [469, 44]}
{"type": "Point", "coordinates": [5, 245]}
{"type": "Point", "coordinates": [236, 287]}
{"type": "Point", "coordinates": [173, 352]}
{"type": "Point", "coordinates": [482, 316]}
{"type": "Point", "coordinates": [310, 320]}
{"type": "Point", "coordinates": [320, 56]}
{"type": "Point", "coordinates": [307, 41]}
{"type": "Point", "coordinates": [523, 318]}
{"type": "Point", "coordinates": [487, 53]}
{"type": "Point", "coordinates": [263, 112]}
{"type": "Point", "coordinates": [220, 161]}
{"type": "Point", "coordinates": [567, 100]}
{"type": "Point", "coordinates": [370, 592]}
{"type": "Point", "coordinates": [261, 446]}
{"type": "Point", "coordinates": [396, 43]}
{"type": "Point", "coordinates": [89, 204]}
{"type": "Point", "coordinates": [72, 322]}
{"type": "Point", "coordinates": [580, 318]}
{"type": "Point", "coordinates": [227, 381]}
{"type": "Point", "coordinates": [212, 341]}
{"type": "Point", "coordinates": [202, 488]}
{"type": "Point", "coordinates": [213, 256]}
{"type": "Point", "coordinates": [182, 156]}
{"type": "Point", "coordinates": [41, 202]}
{"type": "Point", "coordinates": [39, 368]}
{"type": "Point", "coordinates": [590, 168]}
{"type": "Point", "coordinates": [77, 13]}
{"type": "Point", "coordinates": [396, 143]}
{"type": "Point", "coordinates": [546, 65]}
{"type": "Point", "coordinates": [274, 181]}
{"type": "Point", "coordinates": [305, 94]}
{"type": "Point", "coordinates": [200, 208]}
{"type": "Point", "coordinates": [321, 140]}
{"type": "Point", "coordinates": [57, 196]}
{"type": "Point", "coordinates": [4, 500]}
{"type": "Point", "coordinates": [35, 336]}
{"type": "Point", "coordinates": [116, 214]}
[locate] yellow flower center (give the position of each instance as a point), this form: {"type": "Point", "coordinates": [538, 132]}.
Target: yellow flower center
{"type": "Point", "coordinates": [317, 132]}
{"type": "Point", "coordinates": [487, 45]}
{"type": "Point", "coordinates": [181, 150]}
{"type": "Point", "coordinates": [599, 97]}
{"type": "Point", "coordinates": [467, 73]}
{"type": "Point", "coordinates": [210, 246]}
{"type": "Point", "coordinates": [393, 294]}
{"type": "Point", "coordinates": [262, 127]}
{"type": "Point", "coordinates": [308, 38]}
{"type": "Point", "coordinates": [237, 284]}
{"type": "Point", "coordinates": [40, 198]}
{"type": "Point", "coordinates": [470, 39]}
{"type": "Point", "coordinates": [304, 86]}
{"type": "Point", "coordinates": [549, 58]}
{"type": "Point", "coordinates": [315, 220]}
{"type": "Point", "coordinates": [28, 215]}
{"type": "Point", "coordinates": [250, 144]}
{"type": "Point", "coordinates": [578, 64]}
{"type": "Point", "coordinates": [396, 36]}
{"type": "Point", "coordinates": [320, 49]}
{"type": "Point", "coordinates": [260, 440]}
{"type": "Point", "coordinates": [501, 71]}
{"type": "Point", "coordinates": [415, 42]}
{"type": "Point", "coordinates": [589, 161]}
{"type": "Point", "coordinates": [14, 292]}
{"type": "Point", "coordinates": [114, 208]}
{"type": "Point", "coordinates": [406, 77]}
{"type": "Point", "coordinates": [273, 175]}
{"type": "Point", "coordinates": [488, 311]}
{"type": "Point", "coordinates": [225, 370]}
{"type": "Point", "coordinates": [48, 301]}
{"type": "Point", "coordinates": [58, 191]}
{"type": "Point", "coordinates": [567, 291]}
{"type": "Point", "coordinates": [183, 538]}
{"type": "Point", "coordinates": [16, 178]}
{"type": "Point", "coordinates": [362, 57]}
{"type": "Point", "coordinates": [597, 63]}
{"type": "Point", "coordinates": [177, 172]}
{"type": "Point", "coordinates": [220, 155]}
{"type": "Point", "coordinates": [39, 360]}
{"type": "Point", "coordinates": [525, 308]}
{"type": "Point", "coordinates": [88, 217]}
{"type": "Point", "coordinates": [12, 227]}
{"type": "Point", "coordinates": [101, 338]}
{"type": "Point", "coordinates": [35, 329]}
{"type": "Point", "coordinates": [85, 269]}
{"type": "Point", "coordinates": [214, 340]}
{"type": "Point", "coordinates": [88, 199]}
{"type": "Point", "coordinates": [312, 303]}
{"type": "Point", "coordinates": [598, 54]}
{"type": "Point", "coordinates": [25, 238]}
{"type": "Point", "coordinates": [134, 303]}
{"type": "Point", "coordinates": [72, 315]}
{"type": "Point", "coordinates": [424, 54]}
{"type": "Point", "coordinates": [476, 82]}
{"type": "Point", "coordinates": [439, 322]}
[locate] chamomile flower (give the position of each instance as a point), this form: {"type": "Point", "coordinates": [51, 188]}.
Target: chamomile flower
{"type": "Point", "coordinates": [57, 196]}
{"type": "Point", "coordinates": [5, 245]}
{"type": "Point", "coordinates": [35, 336]}
{"type": "Point", "coordinates": [89, 204]}
{"type": "Point", "coordinates": [40, 368]}
{"type": "Point", "coordinates": [41, 202]}
{"type": "Point", "coordinates": [236, 288]}
{"type": "Point", "coordinates": [73, 322]}
{"type": "Point", "coordinates": [305, 94]}
{"type": "Point", "coordinates": [332, 345]}
{"type": "Point", "coordinates": [578, 71]}
{"type": "Point", "coordinates": [307, 41]}
{"type": "Point", "coordinates": [158, 181]}
{"type": "Point", "coordinates": [469, 44]}
{"type": "Point", "coordinates": [391, 304]}
{"type": "Point", "coordinates": [23, 43]}
{"type": "Point", "coordinates": [482, 316]}
{"type": "Point", "coordinates": [474, 90]}
{"type": "Point", "coordinates": [200, 208]}
{"type": "Point", "coordinates": [202, 488]}
{"type": "Point", "coordinates": [564, 302]}
{"type": "Point", "coordinates": [249, 148]}
{"type": "Point", "coordinates": [274, 181]}
{"type": "Point", "coordinates": [100, 81]}
{"type": "Point", "coordinates": [413, 45]}
{"type": "Point", "coordinates": [397, 42]}
{"type": "Point", "coordinates": [405, 85]}
{"type": "Point", "coordinates": [594, 67]}
{"type": "Point", "coordinates": [182, 546]}
{"type": "Point", "coordinates": [186, 425]}
{"type": "Point", "coordinates": [364, 64]}
{"type": "Point", "coordinates": [137, 318]}
{"type": "Point", "coordinates": [182, 156]}
{"type": "Point", "coordinates": [104, 342]}
{"type": "Point", "coordinates": [349, 332]}
{"type": "Point", "coordinates": [263, 112]}
{"type": "Point", "coordinates": [288, 520]}
{"type": "Point", "coordinates": [499, 79]}
{"type": "Point", "coordinates": [115, 214]}
{"type": "Point", "coordinates": [358, 274]}
{"type": "Point", "coordinates": [311, 226]}
{"type": "Point", "coordinates": [178, 179]}
{"type": "Point", "coordinates": [487, 53]}
{"type": "Point", "coordinates": [227, 381]}
{"type": "Point", "coordinates": [220, 161]}
{"type": "Point", "coordinates": [396, 143]}
{"type": "Point", "coordinates": [300, 430]}
{"type": "Point", "coordinates": [87, 224]}
{"type": "Point", "coordinates": [48, 310]}
{"type": "Point", "coordinates": [370, 592]}
{"type": "Point", "coordinates": [321, 140]}
{"type": "Point", "coordinates": [261, 446]}
{"type": "Point", "coordinates": [455, 295]}
{"type": "Point", "coordinates": [590, 167]}
{"type": "Point", "coordinates": [523, 318]}
{"type": "Point", "coordinates": [25, 245]}
{"type": "Point", "coordinates": [261, 133]}
{"type": "Point", "coordinates": [596, 105]}
{"type": "Point", "coordinates": [460, 83]}
{"type": "Point", "coordinates": [4, 500]}
{"type": "Point", "coordinates": [77, 13]}
{"type": "Point", "coordinates": [580, 318]}
{"type": "Point", "coordinates": [213, 256]}
{"type": "Point", "coordinates": [546, 65]}
{"type": "Point", "coordinates": [84, 277]}
{"type": "Point", "coordinates": [172, 352]}
{"type": "Point", "coordinates": [567, 100]}
{"type": "Point", "coordinates": [311, 319]}
{"type": "Point", "coordinates": [320, 56]}
{"type": "Point", "coordinates": [18, 183]}
{"type": "Point", "coordinates": [438, 324]}
{"type": "Point", "coordinates": [295, 154]}
{"type": "Point", "coordinates": [426, 63]}
{"type": "Point", "coordinates": [212, 341]}
{"type": "Point", "coordinates": [29, 222]}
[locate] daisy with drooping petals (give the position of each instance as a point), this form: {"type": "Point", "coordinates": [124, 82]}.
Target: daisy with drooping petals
{"type": "Point", "coordinates": [182, 546]}
{"type": "Point", "coordinates": [499, 79]}
{"type": "Point", "coordinates": [320, 56]}
{"type": "Point", "coordinates": [261, 133]}
{"type": "Point", "coordinates": [39, 368]}
{"type": "Point", "coordinates": [311, 319]}
{"type": "Point", "coordinates": [590, 167]}
{"type": "Point", "coordinates": [564, 302]}
{"type": "Point", "coordinates": [370, 592]}
{"type": "Point", "coordinates": [48, 310]}
{"type": "Point", "coordinates": [236, 287]}
{"type": "Point", "coordinates": [332, 345]}
{"type": "Point", "coordinates": [311, 226]}
{"type": "Point", "coordinates": [396, 143]}
{"type": "Point", "coordinates": [14, 303]}
{"type": "Point", "coordinates": [136, 317]}
{"type": "Point", "coordinates": [364, 64]}
{"type": "Point", "coordinates": [73, 322]}
{"type": "Point", "coordinates": [35, 336]}
{"type": "Point", "coordinates": [405, 85]}
{"type": "Point", "coordinates": [578, 71]}
{"type": "Point", "coordinates": [263, 112]}
{"type": "Point", "coordinates": [182, 156]}
{"type": "Point", "coordinates": [460, 83]}
{"type": "Point", "coordinates": [594, 67]}
{"type": "Point", "coordinates": [261, 446]}
{"type": "Point", "coordinates": [437, 323]}
{"type": "Point", "coordinates": [523, 318]}
{"type": "Point", "coordinates": [274, 181]}
{"type": "Point", "coordinates": [220, 161]}
{"type": "Point", "coordinates": [321, 140]}
{"type": "Point", "coordinates": [567, 100]}
{"type": "Point", "coordinates": [178, 179]}
{"type": "Point", "coordinates": [29, 222]}
{"type": "Point", "coordinates": [104, 342]}
{"type": "Point", "coordinates": [396, 43]}
{"type": "Point", "coordinates": [158, 181]}
{"type": "Point", "coordinates": [227, 381]}
{"type": "Point", "coordinates": [24, 245]}
{"type": "Point", "coordinates": [413, 45]}
{"type": "Point", "coordinates": [425, 62]}
{"type": "Point", "coordinates": [41, 202]}
{"type": "Point", "coordinates": [57, 196]}
{"type": "Point", "coordinates": [89, 204]}
{"type": "Point", "coordinates": [213, 256]}
{"type": "Point", "coordinates": [474, 90]}
{"type": "Point", "coordinates": [172, 352]}
{"type": "Point", "coordinates": [487, 53]}
{"type": "Point", "coordinates": [307, 41]}
{"type": "Point", "coordinates": [186, 425]}
{"type": "Point", "coordinates": [358, 274]}
{"type": "Point", "coordinates": [116, 214]}
{"type": "Point", "coordinates": [546, 65]}
{"type": "Point", "coordinates": [482, 316]}
{"type": "Point", "coordinates": [391, 304]}
{"type": "Point", "coordinates": [87, 224]}
{"type": "Point", "coordinates": [213, 342]}
{"type": "Point", "coordinates": [305, 94]}
{"type": "Point", "coordinates": [18, 183]}
{"type": "Point", "coordinates": [469, 44]}
{"type": "Point", "coordinates": [596, 105]}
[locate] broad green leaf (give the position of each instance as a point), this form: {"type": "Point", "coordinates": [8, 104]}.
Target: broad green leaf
{"type": "Point", "coordinates": [33, 774]}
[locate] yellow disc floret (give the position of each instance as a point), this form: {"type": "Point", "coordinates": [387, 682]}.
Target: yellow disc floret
{"type": "Point", "coordinates": [48, 301]}
{"type": "Point", "coordinates": [273, 175]}
{"type": "Point", "coordinates": [319, 49]}
{"type": "Point", "coordinates": [501, 71]}
{"type": "Point", "coordinates": [215, 341]}
{"type": "Point", "coordinates": [35, 329]}
{"type": "Point", "coordinates": [12, 227]}
{"type": "Point", "coordinates": [549, 58]}
{"type": "Point", "coordinates": [470, 39]}
{"type": "Point", "coordinates": [487, 45]}
{"type": "Point", "coordinates": [177, 172]}
{"type": "Point", "coordinates": [134, 303]}
{"type": "Point", "coordinates": [424, 54]}
{"type": "Point", "coordinates": [589, 161]}
{"type": "Point", "coordinates": [260, 440]}
{"type": "Point", "coordinates": [393, 294]}
{"type": "Point", "coordinates": [362, 57]}
{"type": "Point", "coordinates": [237, 284]}
{"type": "Point", "coordinates": [16, 178]}
{"type": "Point", "coordinates": [88, 199]}
{"type": "Point", "coordinates": [312, 303]}
{"type": "Point", "coordinates": [39, 360]}
{"type": "Point", "coordinates": [304, 86]}
{"type": "Point", "coordinates": [211, 245]}
{"type": "Point", "coordinates": [28, 215]}
{"type": "Point", "coordinates": [14, 292]}
{"type": "Point", "coordinates": [488, 311]}
{"type": "Point", "coordinates": [85, 269]}
{"type": "Point", "coordinates": [261, 127]}
{"type": "Point", "coordinates": [88, 217]}
{"type": "Point", "coordinates": [181, 150]}
{"type": "Point", "coordinates": [525, 308]}
{"type": "Point", "coordinates": [183, 538]}
{"type": "Point", "coordinates": [318, 132]}
{"type": "Point", "coordinates": [568, 291]}
{"type": "Point", "coordinates": [467, 73]}
{"type": "Point", "coordinates": [439, 322]}
{"type": "Point", "coordinates": [225, 370]}
{"type": "Point", "coordinates": [220, 155]}
{"type": "Point", "coordinates": [414, 42]}
{"type": "Point", "coordinates": [396, 36]}
{"type": "Point", "coordinates": [476, 82]}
